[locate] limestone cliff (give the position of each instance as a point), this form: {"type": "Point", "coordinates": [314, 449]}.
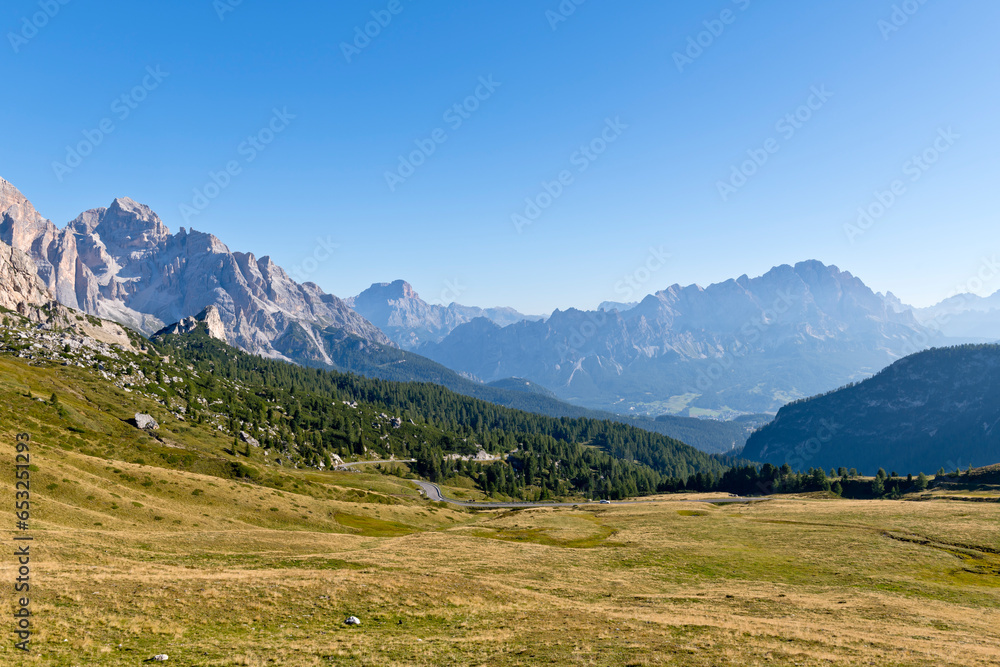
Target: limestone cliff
{"type": "Point", "coordinates": [122, 263]}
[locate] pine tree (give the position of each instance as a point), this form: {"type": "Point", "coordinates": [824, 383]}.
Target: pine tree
{"type": "Point", "coordinates": [922, 482]}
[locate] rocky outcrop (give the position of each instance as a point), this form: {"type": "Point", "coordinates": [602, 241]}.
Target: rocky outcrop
{"type": "Point", "coordinates": [409, 321]}
{"type": "Point", "coordinates": [20, 287]}
{"type": "Point", "coordinates": [23, 292]}
{"type": "Point", "coordinates": [210, 316]}
{"type": "Point", "coordinates": [146, 422]}
{"type": "Point", "coordinates": [122, 263]}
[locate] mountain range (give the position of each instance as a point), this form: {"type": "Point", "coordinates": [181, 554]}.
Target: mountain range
{"type": "Point", "coordinates": [122, 263]}
{"type": "Point", "coordinates": [409, 321]}
{"type": "Point", "coordinates": [743, 346]}
{"type": "Point", "coordinates": [747, 345]}
{"type": "Point", "coordinates": [964, 316]}
{"type": "Point", "coordinates": [937, 408]}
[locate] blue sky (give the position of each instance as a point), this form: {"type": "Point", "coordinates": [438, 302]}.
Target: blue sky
{"type": "Point", "coordinates": [329, 122]}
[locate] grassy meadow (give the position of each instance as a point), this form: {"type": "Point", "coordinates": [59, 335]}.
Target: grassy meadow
{"type": "Point", "coordinates": [143, 545]}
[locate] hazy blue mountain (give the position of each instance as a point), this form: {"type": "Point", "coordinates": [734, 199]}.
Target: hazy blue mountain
{"type": "Point", "coordinates": [744, 345]}
{"type": "Point", "coordinates": [937, 408]}
{"type": "Point", "coordinates": [617, 305]}
{"type": "Point", "coordinates": [409, 321]}
{"type": "Point", "coordinates": [964, 316]}
{"type": "Point", "coordinates": [712, 435]}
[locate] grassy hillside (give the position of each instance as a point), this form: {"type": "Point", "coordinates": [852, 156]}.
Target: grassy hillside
{"type": "Point", "coordinates": [317, 397]}
{"type": "Point", "coordinates": [352, 354]}
{"type": "Point", "coordinates": [172, 542]}
{"type": "Point", "coordinates": [217, 572]}
{"type": "Point", "coordinates": [250, 415]}
{"type": "Point", "coordinates": [935, 409]}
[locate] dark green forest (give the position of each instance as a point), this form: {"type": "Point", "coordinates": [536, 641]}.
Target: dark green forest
{"type": "Point", "coordinates": [312, 415]}
{"type": "Point", "coordinates": [936, 408]}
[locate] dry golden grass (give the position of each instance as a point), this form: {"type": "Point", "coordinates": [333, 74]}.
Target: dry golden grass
{"type": "Point", "coordinates": [222, 579]}
{"type": "Point", "coordinates": [131, 560]}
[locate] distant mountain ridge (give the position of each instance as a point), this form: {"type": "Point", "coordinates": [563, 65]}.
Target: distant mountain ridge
{"type": "Point", "coordinates": [617, 305]}
{"type": "Point", "coordinates": [937, 408]}
{"type": "Point", "coordinates": [964, 316]}
{"type": "Point", "coordinates": [122, 263]}
{"type": "Point", "coordinates": [746, 345]}
{"type": "Point", "coordinates": [410, 321]}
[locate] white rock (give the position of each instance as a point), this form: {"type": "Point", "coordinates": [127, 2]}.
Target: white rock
{"type": "Point", "coordinates": [353, 620]}
{"type": "Point", "coordinates": [145, 422]}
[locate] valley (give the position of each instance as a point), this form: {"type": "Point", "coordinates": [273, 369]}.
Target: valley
{"type": "Point", "coordinates": [224, 572]}
{"type": "Point", "coordinates": [674, 341]}
{"type": "Point", "coordinates": [193, 542]}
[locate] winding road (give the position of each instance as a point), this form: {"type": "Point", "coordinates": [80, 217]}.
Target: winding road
{"type": "Point", "coordinates": [345, 466]}
{"type": "Point", "coordinates": [433, 493]}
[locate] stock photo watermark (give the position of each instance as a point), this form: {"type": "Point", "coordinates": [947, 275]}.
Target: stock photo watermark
{"type": "Point", "coordinates": [751, 332]}
{"type": "Point", "coordinates": [121, 108]}
{"type": "Point", "coordinates": [364, 34]}
{"type": "Point", "coordinates": [223, 7]}
{"type": "Point", "coordinates": [988, 271]}
{"type": "Point", "coordinates": [698, 43]}
{"type": "Point", "coordinates": [450, 293]}
{"type": "Point", "coordinates": [322, 253]}
{"type": "Point", "coordinates": [454, 117]}
{"type": "Point", "coordinates": [786, 127]}
{"type": "Point", "coordinates": [804, 452]}
{"type": "Point", "coordinates": [22, 551]}
{"type": "Point", "coordinates": [586, 155]}
{"type": "Point", "coordinates": [900, 16]}
{"type": "Point", "coordinates": [562, 13]}
{"type": "Point", "coordinates": [248, 150]}
{"type": "Point", "coordinates": [631, 283]}
{"type": "Point", "coordinates": [913, 170]}
{"type": "Point", "coordinates": [579, 335]}
{"type": "Point", "coordinates": [32, 25]}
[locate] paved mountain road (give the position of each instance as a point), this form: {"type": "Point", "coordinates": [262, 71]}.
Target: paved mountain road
{"type": "Point", "coordinates": [344, 466]}
{"type": "Point", "coordinates": [433, 493]}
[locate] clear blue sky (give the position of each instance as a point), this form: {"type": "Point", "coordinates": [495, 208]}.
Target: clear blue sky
{"type": "Point", "coordinates": [655, 186]}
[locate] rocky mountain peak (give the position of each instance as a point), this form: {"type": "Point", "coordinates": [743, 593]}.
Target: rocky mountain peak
{"type": "Point", "coordinates": [17, 214]}
{"type": "Point", "coordinates": [130, 224]}
{"type": "Point", "coordinates": [9, 195]}
{"type": "Point", "coordinates": [122, 263]}
{"type": "Point", "coordinates": [805, 328]}
{"type": "Point", "coordinates": [410, 322]}
{"type": "Point", "coordinates": [210, 316]}
{"type": "Point", "coordinates": [395, 291]}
